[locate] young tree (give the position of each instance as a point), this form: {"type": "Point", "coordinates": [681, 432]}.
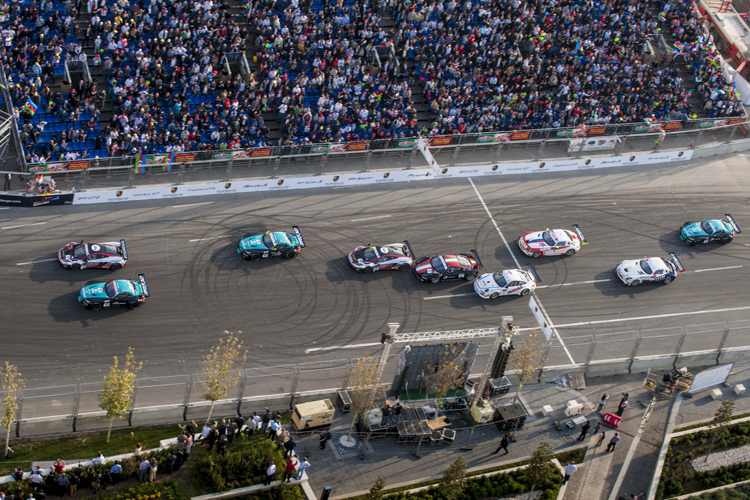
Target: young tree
{"type": "Point", "coordinates": [363, 382]}
{"type": "Point", "coordinates": [222, 368]}
{"type": "Point", "coordinates": [447, 374]}
{"type": "Point", "coordinates": [453, 481]}
{"type": "Point", "coordinates": [12, 384]}
{"type": "Point", "coordinates": [529, 357]}
{"type": "Point", "coordinates": [117, 393]}
{"type": "Point", "coordinates": [722, 418]}
{"type": "Point", "coordinates": [540, 469]}
{"type": "Point", "coordinates": [376, 490]}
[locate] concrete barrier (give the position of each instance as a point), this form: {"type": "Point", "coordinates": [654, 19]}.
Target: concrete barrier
{"type": "Point", "coordinates": [98, 422]}
{"type": "Point", "coordinates": [200, 412]}
{"type": "Point", "coordinates": [608, 367]}
{"type": "Point", "coordinates": [44, 426]}
{"type": "Point", "coordinates": [556, 371]}
{"type": "Point", "coordinates": [696, 359]}
{"type": "Point", "coordinates": [157, 416]}
{"type": "Point", "coordinates": [733, 354]}
{"type": "Point", "coordinates": [641, 364]}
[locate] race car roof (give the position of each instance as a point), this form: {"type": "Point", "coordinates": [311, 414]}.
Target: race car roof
{"type": "Point", "coordinates": [124, 286]}
{"type": "Point", "coordinates": [277, 238]}
{"type": "Point", "coordinates": [515, 275]}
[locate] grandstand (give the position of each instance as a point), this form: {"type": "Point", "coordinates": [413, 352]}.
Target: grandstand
{"type": "Point", "coordinates": [99, 78]}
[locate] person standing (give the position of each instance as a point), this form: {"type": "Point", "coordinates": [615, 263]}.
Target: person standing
{"type": "Point", "coordinates": [303, 465]}
{"type": "Point", "coordinates": [252, 424]}
{"type": "Point", "coordinates": [258, 420]}
{"type": "Point", "coordinates": [221, 445]}
{"type": "Point", "coordinates": [152, 471]}
{"type": "Point", "coordinates": [503, 445]}
{"type": "Point", "coordinates": [597, 428]}
{"type": "Point", "coordinates": [386, 419]}
{"type": "Point", "coordinates": [584, 430]}
{"type": "Point", "coordinates": [223, 427]}
{"type": "Point", "coordinates": [269, 474]}
{"type": "Point", "coordinates": [266, 420]}
{"type": "Point", "coordinates": [324, 439]}
{"type": "Point", "coordinates": [289, 447]}
{"type": "Point", "coordinates": [62, 483]}
{"type": "Point", "coordinates": [397, 412]}
{"type": "Point", "coordinates": [602, 436]}
{"type": "Point", "coordinates": [8, 178]}
{"type": "Point", "coordinates": [274, 428]}
{"type": "Point", "coordinates": [137, 452]}
{"type": "Point", "coordinates": [623, 404]}
{"type": "Point", "coordinates": [143, 471]}
{"type": "Point", "coordinates": [115, 471]}
{"type": "Point", "coordinates": [613, 442]}
{"type": "Point", "coordinates": [170, 463]}
{"type": "Point", "coordinates": [569, 470]}
{"type": "Point", "coordinates": [662, 136]}
{"type": "Point", "coordinates": [73, 486]}
{"type": "Point", "coordinates": [602, 402]}
{"type": "Point", "coordinates": [291, 464]}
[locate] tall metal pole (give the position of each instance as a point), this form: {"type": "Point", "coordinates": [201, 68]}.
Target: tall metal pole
{"type": "Point", "coordinates": [506, 327]}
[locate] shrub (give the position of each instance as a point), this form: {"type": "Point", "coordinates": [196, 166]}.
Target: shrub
{"type": "Point", "coordinates": [243, 465]}
{"type": "Point", "coordinates": [164, 490]}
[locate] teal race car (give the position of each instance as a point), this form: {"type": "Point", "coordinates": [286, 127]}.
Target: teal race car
{"type": "Point", "coordinates": [271, 244]}
{"type": "Point", "coordinates": [698, 233]}
{"type": "Point", "coordinates": [114, 293]}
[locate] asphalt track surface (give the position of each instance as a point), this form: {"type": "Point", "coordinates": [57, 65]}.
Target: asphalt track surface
{"type": "Point", "coordinates": [201, 288]}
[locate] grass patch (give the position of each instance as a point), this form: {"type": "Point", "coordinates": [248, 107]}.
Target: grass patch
{"type": "Point", "coordinates": [704, 424]}
{"type": "Point", "coordinates": [741, 492]}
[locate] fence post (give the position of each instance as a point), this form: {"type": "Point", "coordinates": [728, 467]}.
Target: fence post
{"type": "Point", "coordinates": [634, 353]}
{"type": "Point", "coordinates": [81, 180]}
{"type": "Point", "coordinates": [540, 149]}
{"type": "Point", "coordinates": [241, 394]}
{"type": "Point", "coordinates": [498, 150]}
{"type": "Point", "coordinates": [368, 157]}
{"type": "Point", "coordinates": [323, 161]}
{"type": "Point", "coordinates": [679, 345]}
{"type": "Point", "coordinates": [186, 403]}
{"type": "Point", "coordinates": [723, 341]}
{"type": "Point", "coordinates": [697, 139]}
{"type": "Point", "coordinates": [412, 157]}
{"type": "Point", "coordinates": [76, 403]}
{"type": "Point", "coordinates": [181, 173]}
{"type": "Point", "coordinates": [294, 387]}
{"type": "Point", "coordinates": [591, 352]}
{"type": "Point", "coordinates": [620, 145]}
{"type": "Point", "coordinates": [275, 169]}
{"type": "Point", "coordinates": [731, 136]}
{"type": "Point", "coordinates": [580, 148]}
{"type": "Point", "coordinates": [131, 178]}
{"type": "Point", "coordinates": [19, 415]}
{"type": "Point", "coordinates": [456, 152]}
{"type": "Point", "coordinates": [132, 406]}
{"type": "Point", "coordinates": [229, 169]}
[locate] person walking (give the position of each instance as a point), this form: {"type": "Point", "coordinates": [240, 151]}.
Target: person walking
{"type": "Point", "coordinates": [623, 404]}
{"type": "Point", "coordinates": [569, 470]}
{"type": "Point", "coordinates": [289, 447]}
{"type": "Point", "coordinates": [597, 428]}
{"type": "Point", "coordinates": [602, 436]}
{"type": "Point", "coordinates": [8, 178]}
{"type": "Point", "coordinates": [503, 445]}
{"type": "Point", "coordinates": [303, 466]}
{"type": "Point", "coordinates": [613, 442]}
{"type": "Point", "coordinates": [269, 474]}
{"type": "Point", "coordinates": [291, 464]}
{"type": "Point", "coordinates": [602, 402]}
{"type": "Point", "coordinates": [584, 430]}
{"type": "Point", "coordinates": [662, 136]}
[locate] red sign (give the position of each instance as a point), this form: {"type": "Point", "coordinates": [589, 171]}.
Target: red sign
{"type": "Point", "coordinates": [520, 136]}
{"type": "Point", "coordinates": [612, 420]}
{"type": "Point", "coordinates": [183, 157]}
{"type": "Point", "coordinates": [356, 146]}
{"type": "Point", "coordinates": [260, 152]}
{"type": "Point", "coordinates": [596, 131]}
{"type": "Point", "coordinates": [440, 141]}
{"type": "Point", "coordinates": [78, 165]}
{"type": "Point", "coordinates": [735, 121]}
{"type": "Point", "coordinates": [672, 126]}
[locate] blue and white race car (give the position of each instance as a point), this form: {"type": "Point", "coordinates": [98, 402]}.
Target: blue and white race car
{"type": "Point", "coordinates": [697, 233]}
{"type": "Point", "coordinates": [507, 282]}
{"type": "Point", "coordinates": [552, 242]}
{"type": "Point", "coordinates": [271, 244]}
{"type": "Point", "coordinates": [635, 272]}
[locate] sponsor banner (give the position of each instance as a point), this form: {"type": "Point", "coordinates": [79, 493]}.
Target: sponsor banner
{"type": "Point", "coordinates": [705, 124]}
{"type": "Point", "coordinates": [405, 143]}
{"type": "Point", "coordinates": [486, 138]}
{"type": "Point", "coordinates": [222, 155]}
{"type": "Point", "coordinates": [257, 153]}
{"type": "Point", "coordinates": [735, 121]}
{"type": "Point", "coordinates": [78, 165]}
{"type": "Point", "coordinates": [570, 132]}
{"type": "Point", "coordinates": [592, 144]}
{"type": "Point", "coordinates": [593, 131]}
{"type": "Point", "coordinates": [672, 126]}
{"type": "Point", "coordinates": [9, 200]}
{"type": "Point", "coordinates": [657, 127]}
{"type": "Point", "coordinates": [183, 157]}
{"type": "Point", "coordinates": [319, 149]}
{"type": "Point", "coordinates": [520, 136]}
{"type": "Point", "coordinates": [38, 168]}
{"type": "Point", "coordinates": [350, 146]}
{"type": "Point", "coordinates": [440, 141]}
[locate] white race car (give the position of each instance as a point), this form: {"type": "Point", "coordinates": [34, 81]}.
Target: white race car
{"type": "Point", "coordinates": [635, 272]}
{"type": "Point", "coordinates": [552, 242]}
{"type": "Point", "coordinates": [508, 282]}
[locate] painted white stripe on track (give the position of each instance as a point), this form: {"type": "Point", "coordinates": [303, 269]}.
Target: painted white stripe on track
{"type": "Point", "coordinates": [24, 225]}
{"type": "Point", "coordinates": [571, 284]}
{"type": "Point", "coordinates": [193, 204]}
{"type": "Point", "coordinates": [214, 238]}
{"type": "Point", "coordinates": [716, 269]}
{"type": "Point", "coordinates": [34, 262]}
{"type": "Point", "coordinates": [371, 218]}
{"type": "Point", "coordinates": [656, 316]}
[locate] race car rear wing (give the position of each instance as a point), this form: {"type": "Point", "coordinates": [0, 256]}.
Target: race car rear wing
{"type": "Point", "coordinates": [299, 236]}
{"type": "Point", "coordinates": [677, 262]}
{"type": "Point", "coordinates": [733, 223]}
{"type": "Point", "coordinates": [124, 250]}
{"type": "Point", "coordinates": [408, 248]}
{"type": "Point", "coordinates": [581, 237]}
{"type": "Point", "coordinates": [534, 274]}
{"type": "Point", "coordinates": [142, 279]}
{"type": "Point", "coordinates": [476, 257]}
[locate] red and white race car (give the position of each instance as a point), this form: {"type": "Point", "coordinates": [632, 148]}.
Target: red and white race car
{"type": "Point", "coordinates": [552, 242]}
{"type": "Point", "coordinates": [463, 266]}
{"type": "Point", "coordinates": [110, 255]}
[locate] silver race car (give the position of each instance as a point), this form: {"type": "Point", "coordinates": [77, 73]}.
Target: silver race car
{"type": "Point", "coordinates": [508, 282]}
{"type": "Point", "coordinates": [372, 258]}
{"type": "Point", "coordinates": [647, 269]}
{"type": "Point", "coordinates": [110, 255]}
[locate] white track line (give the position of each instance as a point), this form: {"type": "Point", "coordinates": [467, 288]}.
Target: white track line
{"type": "Point", "coordinates": [570, 284]}
{"type": "Point", "coordinates": [24, 225]}
{"type": "Point", "coordinates": [657, 316]}
{"type": "Point", "coordinates": [193, 204]}
{"type": "Point", "coordinates": [213, 238]}
{"type": "Point", "coordinates": [371, 218]}
{"type": "Point", "coordinates": [449, 296]}
{"type": "Point", "coordinates": [34, 262]}
{"type": "Point", "coordinates": [350, 346]}
{"type": "Point", "coordinates": [518, 265]}
{"type": "Point", "coordinates": [716, 269]}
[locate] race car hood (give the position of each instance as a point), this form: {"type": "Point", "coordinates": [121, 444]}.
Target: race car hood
{"type": "Point", "coordinates": [423, 266]}
{"type": "Point", "coordinates": [253, 243]}
{"type": "Point", "coordinates": [94, 291]}
{"type": "Point", "coordinates": [632, 268]}
{"type": "Point", "coordinates": [693, 229]}
{"type": "Point", "coordinates": [357, 254]}
{"type": "Point", "coordinates": [487, 281]}
{"type": "Point", "coordinates": [534, 239]}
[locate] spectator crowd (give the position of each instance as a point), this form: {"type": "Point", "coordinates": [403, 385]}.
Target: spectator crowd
{"type": "Point", "coordinates": [328, 71]}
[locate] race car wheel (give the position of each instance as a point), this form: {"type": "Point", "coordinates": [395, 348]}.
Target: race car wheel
{"type": "Point", "coordinates": [245, 255]}
{"type": "Point", "coordinates": [635, 282]}
{"type": "Point", "coordinates": [570, 252]}
{"type": "Point", "coordinates": [115, 267]}
{"type": "Point", "coordinates": [536, 255]}
{"type": "Point", "coordinates": [435, 279]}
{"type": "Point", "coordinates": [494, 295]}
{"type": "Point", "coordinates": [134, 304]}
{"type": "Point", "coordinates": [690, 242]}
{"type": "Point", "coordinates": [255, 256]}
{"type": "Point", "coordinates": [726, 239]}
{"type": "Point", "coordinates": [290, 255]}
{"type": "Point", "coordinates": [77, 267]}
{"type": "Point", "coordinates": [667, 280]}
{"type": "Point", "coordinates": [404, 267]}
{"type": "Point", "coordinates": [470, 277]}
{"type": "Point", "coordinates": [525, 292]}
{"type": "Point", "coordinates": [367, 270]}
{"type": "Point", "coordinates": [96, 306]}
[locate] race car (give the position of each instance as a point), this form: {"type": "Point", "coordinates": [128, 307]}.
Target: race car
{"type": "Point", "coordinates": [697, 233]}
{"type": "Point", "coordinates": [448, 267]}
{"type": "Point", "coordinates": [635, 272]}
{"type": "Point", "coordinates": [114, 293]}
{"type": "Point", "coordinates": [508, 282]}
{"type": "Point", "coordinates": [110, 255]}
{"type": "Point", "coordinates": [381, 257]}
{"type": "Point", "coordinates": [552, 242]}
{"type": "Point", "coordinates": [271, 244]}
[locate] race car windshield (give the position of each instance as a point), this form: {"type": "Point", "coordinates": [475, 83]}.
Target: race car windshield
{"type": "Point", "coordinates": [370, 254]}
{"type": "Point", "coordinates": [396, 250]}
{"type": "Point", "coordinates": [548, 238]}
{"type": "Point", "coordinates": [109, 289]}
{"type": "Point", "coordinates": [463, 261]}
{"type": "Point", "coordinates": [498, 276]}
{"type": "Point", "coordinates": [707, 227]}
{"type": "Point", "coordinates": [644, 265]}
{"type": "Point", "coordinates": [437, 264]}
{"type": "Point", "coordinates": [268, 241]}
{"type": "Point", "coordinates": [79, 251]}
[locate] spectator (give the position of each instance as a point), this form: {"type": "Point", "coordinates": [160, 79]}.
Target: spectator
{"type": "Point", "coordinates": [143, 469]}
{"type": "Point", "coordinates": [152, 470]}
{"type": "Point", "coordinates": [291, 465]}
{"type": "Point", "coordinates": [74, 480]}
{"type": "Point", "coordinates": [221, 444]}
{"type": "Point", "coordinates": [289, 446]}
{"type": "Point", "coordinates": [269, 474]}
{"type": "Point", "coordinates": [266, 421]}
{"type": "Point", "coordinates": [62, 484]}
{"type": "Point", "coordinates": [273, 429]}
{"type": "Point", "coordinates": [137, 452]}
{"type": "Point", "coordinates": [58, 466]}
{"type": "Point", "coordinates": [170, 460]}
{"type": "Point", "coordinates": [303, 466]}
{"type": "Point", "coordinates": [99, 459]}
{"type": "Point", "coordinates": [613, 442]}
{"type": "Point", "coordinates": [116, 471]}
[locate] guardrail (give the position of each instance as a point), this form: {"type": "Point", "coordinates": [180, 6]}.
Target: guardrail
{"type": "Point", "coordinates": [75, 407]}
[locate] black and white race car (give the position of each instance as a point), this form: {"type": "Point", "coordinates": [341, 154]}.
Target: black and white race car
{"type": "Point", "coordinates": [110, 255]}
{"type": "Point", "coordinates": [370, 258]}
{"type": "Point", "coordinates": [647, 269]}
